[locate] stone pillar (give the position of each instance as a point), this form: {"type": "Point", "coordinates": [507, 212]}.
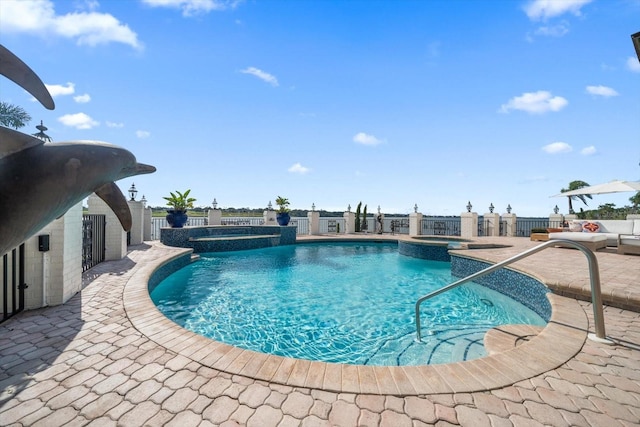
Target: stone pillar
{"type": "Point", "coordinates": [115, 236]}
{"type": "Point", "coordinates": [55, 276]}
{"type": "Point", "coordinates": [137, 221]}
{"type": "Point", "coordinates": [509, 220]}
{"type": "Point", "coordinates": [215, 216]}
{"type": "Point", "coordinates": [468, 225]}
{"type": "Point", "coordinates": [415, 224]}
{"type": "Point", "coordinates": [269, 217]}
{"type": "Point", "coordinates": [146, 226]}
{"type": "Point", "coordinates": [491, 224]}
{"type": "Point", "coordinates": [349, 222]}
{"type": "Point", "coordinates": [556, 220]}
{"type": "Point", "coordinates": [314, 222]}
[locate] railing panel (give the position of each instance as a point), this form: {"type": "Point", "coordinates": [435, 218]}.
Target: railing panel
{"type": "Point", "coordinates": [441, 226]}
{"type": "Point", "coordinates": [93, 240]}
{"type": "Point", "coordinates": [12, 295]}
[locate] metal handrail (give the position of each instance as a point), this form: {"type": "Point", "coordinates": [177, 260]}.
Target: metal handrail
{"type": "Point", "coordinates": [594, 274]}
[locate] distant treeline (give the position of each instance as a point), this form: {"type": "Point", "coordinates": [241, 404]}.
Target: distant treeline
{"type": "Point", "coordinates": [248, 212]}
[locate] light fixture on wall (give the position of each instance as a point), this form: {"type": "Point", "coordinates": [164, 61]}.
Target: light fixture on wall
{"type": "Point", "coordinates": [133, 192]}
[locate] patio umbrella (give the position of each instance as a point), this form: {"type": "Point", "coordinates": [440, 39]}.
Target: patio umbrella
{"type": "Point", "coordinates": [607, 187]}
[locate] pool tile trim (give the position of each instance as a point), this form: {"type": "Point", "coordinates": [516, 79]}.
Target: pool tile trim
{"type": "Point", "coordinates": [559, 341]}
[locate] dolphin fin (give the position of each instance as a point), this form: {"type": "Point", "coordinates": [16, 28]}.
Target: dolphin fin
{"type": "Point", "coordinates": [17, 71]}
{"type": "Point", "coordinates": [14, 141]}
{"type": "Point", "coordinates": [113, 197]}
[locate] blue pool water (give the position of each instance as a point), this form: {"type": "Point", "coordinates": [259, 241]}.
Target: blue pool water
{"type": "Point", "coordinates": [339, 302]}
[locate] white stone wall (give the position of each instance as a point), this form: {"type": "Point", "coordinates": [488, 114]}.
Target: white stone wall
{"type": "Point", "coordinates": [58, 270]}
{"type": "Point", "coordinates": [115, 236]}
{"type": "Point", "coordinates": [137, 221]}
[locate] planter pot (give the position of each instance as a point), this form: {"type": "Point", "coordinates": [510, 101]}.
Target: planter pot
{"type": "Point", "coordinates": [177, 219]}
{"type": "Point", "coordinates": [283, 218]}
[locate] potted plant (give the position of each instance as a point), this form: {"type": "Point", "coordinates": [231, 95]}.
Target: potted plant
{"type": "Point", "coordinates": [282, 214]}
{"type": "Point", "coordinates": [179, 203]}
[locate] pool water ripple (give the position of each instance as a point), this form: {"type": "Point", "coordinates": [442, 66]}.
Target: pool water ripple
{"type": "Point", "coordinates": [341, 302]}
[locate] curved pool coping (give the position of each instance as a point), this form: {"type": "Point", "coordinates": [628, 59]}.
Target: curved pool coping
{"type": "Point", "coordinates": [559, 341]}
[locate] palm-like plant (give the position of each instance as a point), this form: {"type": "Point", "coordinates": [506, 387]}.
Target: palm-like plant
{"type": "Point", "coordinates": [575, 185]}
{"type": "Point", "coordinates": [13, 116]}
{"type": "Point", "coordinates": [180, 202]}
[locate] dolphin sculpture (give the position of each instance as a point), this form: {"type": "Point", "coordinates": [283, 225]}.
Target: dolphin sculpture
{"type": "Point", "coordinates": [40, 181]}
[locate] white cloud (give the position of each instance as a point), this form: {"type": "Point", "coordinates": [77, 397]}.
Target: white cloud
{"type": "Point", "coordinates": [366, 139]}
{"type": "Point", "coordinates": [194, 7]}
{"type": "Point", "coordinates": [588, 151]}
{"type": "Point", "coordinates": [39, 17]}
{"type": "Point", "coordinates": [82, 99]}
{"type": "Point", "coordinates": [59, 90]}
{"type": "Point", "coordinates": [601, 91]}
{"type": "Point", "coordinates": [78, 121]}
{"type": "Point", "coordinates": [557, 147]}
{"type": "Point", "coordinates": [142, 134]}
{"type": "Point", "coordinates": [544, 9]}
{"type": "Point", "coordinates": [633, 64]}
{"type": "Point", "coordinates": [114, 125]}
{"type": "Point", "coordinates": [298, 168]}
{"type": "Point", "coordinates": [535, 103]}
{"type": "Point", "coordinates": [557, 30]}
{"type": "Point", "coordinates": [262, 75]}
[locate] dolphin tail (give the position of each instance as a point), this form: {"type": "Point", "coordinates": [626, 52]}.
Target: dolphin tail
{"type": "Point", "coordinates": [113, 197]}
{"type": "Point", "coordinates": [14, 69]}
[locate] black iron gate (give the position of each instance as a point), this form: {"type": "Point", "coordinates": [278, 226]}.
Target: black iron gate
{"type": "Point", "coordinates": [93, 240]}
{"type": "Point", "coordinates": [13, 283]}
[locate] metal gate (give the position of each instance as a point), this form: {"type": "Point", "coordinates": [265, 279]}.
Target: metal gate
{"type": "Point", "coordinates": [13, 283]}
{"type": "Point", "coordinates": [93, 244]}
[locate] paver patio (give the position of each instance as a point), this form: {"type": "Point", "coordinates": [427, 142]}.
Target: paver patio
{"type": "Point", "coordinates": [85, 363]}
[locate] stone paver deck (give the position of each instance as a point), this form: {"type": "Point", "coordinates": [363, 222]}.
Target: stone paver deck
{"type": "Point", "coordinates": [96, 360]}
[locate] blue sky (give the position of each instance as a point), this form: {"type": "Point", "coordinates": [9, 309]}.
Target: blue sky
{"type": "Point", "coordinates": [391, 103]}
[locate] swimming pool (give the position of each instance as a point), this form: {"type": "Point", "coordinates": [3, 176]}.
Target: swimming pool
{"type": "Point", "coordinates": [336, 302]}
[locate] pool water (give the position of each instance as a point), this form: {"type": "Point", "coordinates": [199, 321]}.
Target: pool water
{"type": "Point", "coordinates": [335, 302]}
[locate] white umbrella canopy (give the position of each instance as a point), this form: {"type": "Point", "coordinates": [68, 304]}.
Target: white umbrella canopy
{"type": "Point", "coordinates": [607, 187]}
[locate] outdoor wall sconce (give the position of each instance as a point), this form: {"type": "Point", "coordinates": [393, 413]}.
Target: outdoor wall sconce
{"type": "Point", "coordinates": [215, 203]}
{"type": "Point", "coordinates": [635, 38]}
{"type": "Point", "coordinates": [469, 206]}
{"type": "Point", "coordinates": [133, 192]}
{"type": "Point", "coordinates": [509, 208]}
{"type": "Point", "coordinates": [144, 201]}
{"type": "Point", "coordinates": [491, 208]}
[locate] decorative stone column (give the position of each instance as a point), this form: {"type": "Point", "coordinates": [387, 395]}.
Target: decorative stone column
{"type": "Point", "coordinates": [146, 227]}
{"type": "Point", "coordinates": [509, 220]}
{"type": "Point", "coordinates": [415, 222]}
{"type": "Point", "coordinates": [469, 223]}
{"type": "Point", "coordinates": [556, 220]}
{"type": "Point", "coordinates": [491, 223]}
{"type": "Point", "coordinates": [269, 215]}
{"type": "Point", "coordinates": [349, 221]}
{"type": "Point", "coordinates": [137, 221]}
{"type": "Point", "coordinates": [115, 236]}
{"type": "Point", "coordinates": [314, 221]}
{"type": "Point", "coordinates": [215, 216]}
